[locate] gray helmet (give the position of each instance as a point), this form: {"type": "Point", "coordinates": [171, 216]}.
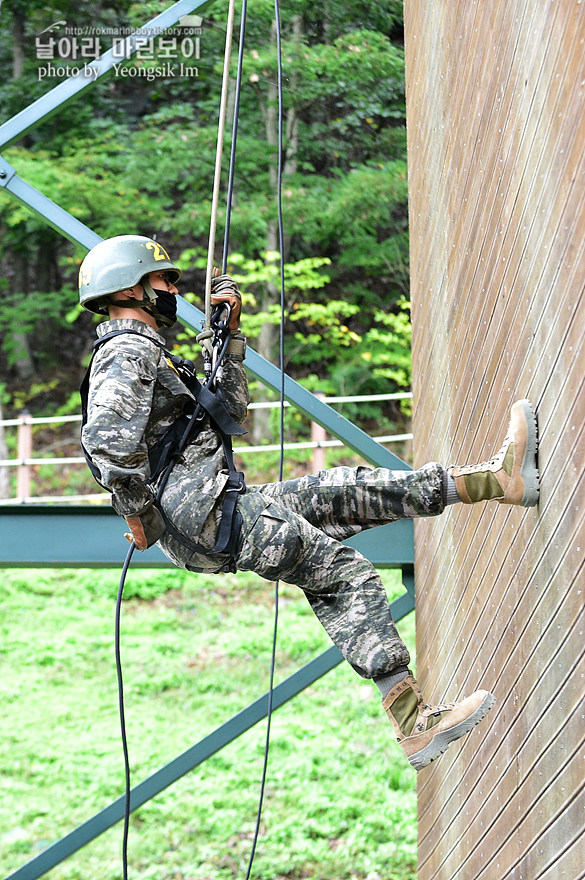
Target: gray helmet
{"type": "Point", "coordinates": [119, 263]}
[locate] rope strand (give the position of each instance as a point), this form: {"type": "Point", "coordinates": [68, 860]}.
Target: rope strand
{"type": "Point", "coordinates": [218, 155]}
{"type": "Point", "coordinates": [211, 249]}
{"type": "Point", "coordinates": [230, 189]}
{"type": "Point", "coordinates": [281, 460]}
{"type": "Point", "coordinates": [125, 567]}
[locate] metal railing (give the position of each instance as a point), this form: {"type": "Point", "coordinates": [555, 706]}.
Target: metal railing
{"type": "Point", "coordinates": [24, 460]}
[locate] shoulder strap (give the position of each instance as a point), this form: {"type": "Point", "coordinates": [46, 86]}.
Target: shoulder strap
{"type": "Point", "coordinates": [107, 336]}
{"type": "Point", "coordinates": [84, 393]}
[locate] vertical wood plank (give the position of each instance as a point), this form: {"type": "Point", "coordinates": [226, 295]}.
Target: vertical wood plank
{"type": "Point", "coordinates": [496, 141]}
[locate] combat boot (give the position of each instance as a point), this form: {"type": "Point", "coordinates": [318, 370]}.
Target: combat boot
{"type": "Point", "coordinates": [424, 732]}
{"type": "Point", "coordinates": [511, 476]}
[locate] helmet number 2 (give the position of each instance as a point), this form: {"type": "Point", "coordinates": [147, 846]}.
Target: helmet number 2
{"type": "Point", "coordinates": [159, 252]}
{"type": "Point", "coordinates": [84, 276]}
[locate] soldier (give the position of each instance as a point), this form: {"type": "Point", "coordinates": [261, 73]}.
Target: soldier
{"type": "Point", "coordinates": [136, 392]}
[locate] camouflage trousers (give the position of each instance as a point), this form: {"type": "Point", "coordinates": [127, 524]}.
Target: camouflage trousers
{"type": "Point", "coordinates": [296, 537]}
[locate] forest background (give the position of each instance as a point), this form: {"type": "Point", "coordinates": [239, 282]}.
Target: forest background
{"type": "Point", "coordinates": [135, 154]}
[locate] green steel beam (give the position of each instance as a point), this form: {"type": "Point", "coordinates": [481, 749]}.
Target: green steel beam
{"type": "Point", "coordinates": [305, 401]}
{"type": "Point", "coordinates": [50, 103]}
{"type": "Point", "coordinates": [63, 536]}
{"type": "Point", "coordinates": [191, 758]}
{"type": "Point", "coordinates": [55, 216]}
{"type": "Point", "coordinates": [408, 580]}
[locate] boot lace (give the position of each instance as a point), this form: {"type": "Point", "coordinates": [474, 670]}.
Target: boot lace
{"type": "Point", "coordinates": [487, 465]}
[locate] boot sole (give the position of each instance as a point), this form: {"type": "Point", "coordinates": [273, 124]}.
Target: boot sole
{"type": "Point", "coordinates": [444, 738]}
{"type": "Point", "coordinates": [529, 469]}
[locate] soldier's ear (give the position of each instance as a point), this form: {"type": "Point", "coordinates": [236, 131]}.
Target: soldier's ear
{"type": "Point", "coordinates": [128, 293]}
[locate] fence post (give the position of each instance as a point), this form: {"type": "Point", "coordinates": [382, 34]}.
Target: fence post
{"type": "Point", "coordinates": [24, 451]}
{"type": "Point", "coordinates": [318, 434]}
{"type": "Point", "coordinates": [5, 488]}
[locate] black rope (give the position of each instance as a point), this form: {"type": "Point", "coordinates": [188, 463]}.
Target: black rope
{"type": "Point", "coordinates": [230, 188]}
{"type": "Point", "coordinates": [184, 440]}
{"type": "Point", "coordinates": [127, 561]}
{"type": "Point", "coordinates": [281, 460]}
{"type": "Point", "coordinates": [162, 485]}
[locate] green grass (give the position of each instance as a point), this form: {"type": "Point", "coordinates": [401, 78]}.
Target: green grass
{"type": "Point", "coordinates": [340, 799]}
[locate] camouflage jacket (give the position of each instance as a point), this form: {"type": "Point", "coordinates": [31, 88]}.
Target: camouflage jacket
{"type": "Point", "coordinates": [135, 394]}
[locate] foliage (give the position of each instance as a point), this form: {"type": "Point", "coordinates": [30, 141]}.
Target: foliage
{"type": "Point", "coordinates": [340, 798]}
{"type": "Point", "coordinates": [138, 156]}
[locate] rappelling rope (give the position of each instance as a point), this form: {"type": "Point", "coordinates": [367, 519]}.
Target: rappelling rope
{"type": "Point", "coordinates": [206, 342]}
{"type": "Point", "coordinates": [117, 639]}
{"type": "Point", "coordinates": [281, 423]}
{"type": "Point", "coordinates": [230, 189]}
{"type": "Point", "coordinates": [218, 156]}
{"type": "Point", "coordinates": [122, 713]}
{"type": "Point", "coordinates": [204, 337]}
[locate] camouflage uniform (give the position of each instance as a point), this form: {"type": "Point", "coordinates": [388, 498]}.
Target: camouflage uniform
{"type": "Point", "coordinates": [290, 530]}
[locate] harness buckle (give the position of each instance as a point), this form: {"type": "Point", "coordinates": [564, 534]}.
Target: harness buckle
{"type": "Point", "coordinates": [240, 486]}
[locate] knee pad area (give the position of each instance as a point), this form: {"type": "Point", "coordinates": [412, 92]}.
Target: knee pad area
{"type": "Point", "coordinates": [274, 545]}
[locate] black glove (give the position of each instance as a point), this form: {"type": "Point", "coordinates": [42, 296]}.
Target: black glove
{"type": "Point", "coordinates": [146, 529]}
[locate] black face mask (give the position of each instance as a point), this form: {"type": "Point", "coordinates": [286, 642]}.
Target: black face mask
{"type": "Point", "coordinates": [165, 309]}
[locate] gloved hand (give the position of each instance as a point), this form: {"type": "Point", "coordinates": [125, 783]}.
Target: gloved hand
{"type": "Point", "coordinates": [146, 528]}
{"type": "Point", "coordinates": [225, 290]}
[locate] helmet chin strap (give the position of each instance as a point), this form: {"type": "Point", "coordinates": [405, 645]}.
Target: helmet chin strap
{"type": "Point", "coordinates": [148, 304]}
{"type": "Point", "coordinates": [150, 307]}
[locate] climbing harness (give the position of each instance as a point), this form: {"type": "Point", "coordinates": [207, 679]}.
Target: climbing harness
{"type": "Point", "coordinates": [185, 429]}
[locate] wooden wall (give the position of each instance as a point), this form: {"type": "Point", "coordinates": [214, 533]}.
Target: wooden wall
{"type": "Point", "coordinates": [496, 137]}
